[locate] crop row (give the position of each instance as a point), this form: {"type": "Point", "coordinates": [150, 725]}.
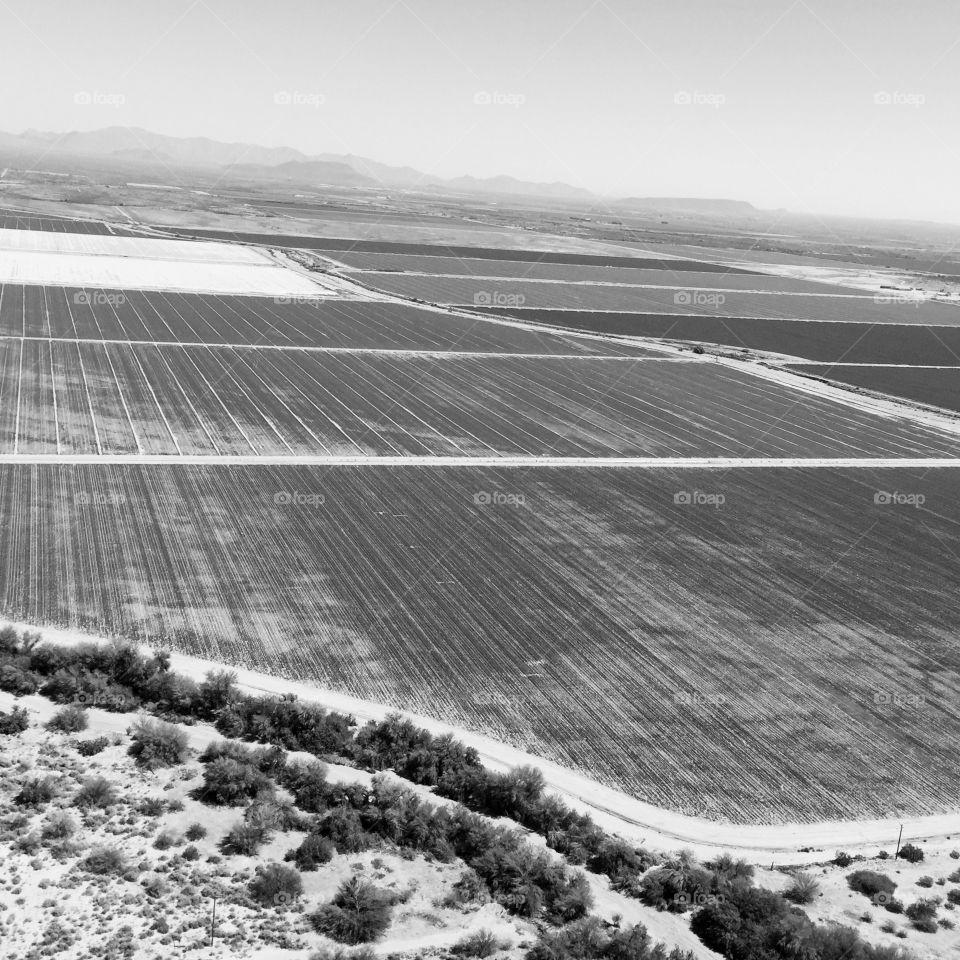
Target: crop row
{"type": "Point", "coordinates": [787, 654]}
{"type": "Point", "coordinates": [17, 221]}
{"type": "Point", "coordinates": [77, 397]}
{"type": "Point", "coordinates": [519, 296]}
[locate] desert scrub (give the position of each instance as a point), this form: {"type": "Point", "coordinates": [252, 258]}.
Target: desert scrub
{"type": "Point", "coordinates": [90, 748]}
{"type": "Point", "coordinates": [97, 792]}
{"type": "Point", "coordinates": [14, 722]}
{"type": "Point", "coordinates": [69, 719]}
{"type": "Point", "coordinates": [276, 886]}
{"type": "Point", "coordinates": [37, 791]}
{"type": "Point", "coordinates": [157, 744]}
{"type": "Point", "coordinates": [359, 913]}
{"type": "Point", "coordinates": [196, 831]}
{"type": "Point", "coordinates": [803, 888]}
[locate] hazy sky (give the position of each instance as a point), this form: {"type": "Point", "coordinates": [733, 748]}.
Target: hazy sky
{"type": "Point", "coordinates": [832, 106]}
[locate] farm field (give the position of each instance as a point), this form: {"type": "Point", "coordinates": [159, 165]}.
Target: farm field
{"type": "Point", "coordinates": [90, 397]}
{"type": "Point", "coordinates": [936, 386]}
{"type": "Point", "coordinates": [832, 341]}
{"type": "Point", "coordinates": [89, 313]}
{"type": "Point", "coordinates": [511, 270]}
{"type": "Point", "coordinates": [521, 295]}
{"type": "Point", "coordinates": [141, 248]}
{"type": "Point", "coordinates": [776, 657]}
{"type": "Point", "coordinates": [21, 221]}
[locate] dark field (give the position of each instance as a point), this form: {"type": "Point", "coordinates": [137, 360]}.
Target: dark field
{"type": "Point", "coordinates": [18, 221]}
{"type": "Point", "coordinates": [828, 341]}
{"type": "Point", "coordinates": [93, 398]}
{"type": "Point", "coordinates": [937, 387]}
{"type": "Point", "coordinates": [92, 314]}
{"type": "Point", "coordinates": [425, 249]}
{"type": "Point", "coordinates": [523, 296]}
{"type": "Point", "coordinates": [736, 662]}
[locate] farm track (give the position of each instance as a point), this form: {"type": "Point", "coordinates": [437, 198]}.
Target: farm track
{"type": "Point", "coordinates": [744, 660]}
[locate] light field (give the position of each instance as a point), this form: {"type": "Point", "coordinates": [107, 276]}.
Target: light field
{"type": "Point", "coordinates": [89, 398]}
{"type": "Point", "coordinates": [143, 248]}
{"type": "Point", "coordinates": [519, 296]}
{"type": "Point", "coordinates": [171, 317]}
{"type": "Point", "coordinates": [782, 657]}
{"type": "Point", "coordinates": [20, 221]}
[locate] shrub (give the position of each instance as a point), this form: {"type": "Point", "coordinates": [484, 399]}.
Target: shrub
{"type": "Point", "coordinates": [19, 682]}
{"type": "Point", "coordinates": [59, 826]}
{"type": "Point", "coordinates": [480, 944]}
{"type": "Point", "coordinates": [842, 859]}
{"type": "Point", "coordinates": [870, 883]}
{"type": "Point", "coordinates": [803, 888]}
{"type": "Point", "coordinates": [911, 853]}
{"type": "Point", "coordinates": [152, 806]}
{"type": "Point", "coordinates": [14, 722]}
{"type": "Point", "coordinates": [69, 719]}
{"type": "Point", "coordinates": [228, 782]}
{"type": "Point", "coordinates": [196, 831]}
{"type": "Point", "coordinates": [36, 791]}
{"type": "Point", "coordinates": [190, 853]}
{"type": "Point", "coordinates": [359, 913]}
{"type": "Point", "coordinates": [308, 784]}
{"type": "Point", "coordinates": [945, 923]}
{"type": "Point", "coordinates": [469, 889]}
{"type": "Point", "coordinates": [953, 896]}
{"type": "Point", "coordinates": [165, 840]}
{"type": "Point", "coordinates": [340, 953]}
{"type": "Point", "coordinates": [105, 861]}
{"type": "Point", "coordinates": [276, 886]}
{"type": "Point", "coordinates": [96, 792]}
{"type": "Point", "coordinates": [243, 839]}
{"type": "Point", "coordinates": [889, 903]}
{"type": "Point", "coordinates": [157, 744]}
{"type": "Point", "coordinates": [313, 851]}
{"type": "Point", "coordinates": [89, 748]}
{"type": "Point", "coordinates": [925, 882]}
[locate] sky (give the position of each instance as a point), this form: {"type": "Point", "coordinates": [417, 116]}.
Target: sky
{"type": "Point", "coordinates": [825, 106]}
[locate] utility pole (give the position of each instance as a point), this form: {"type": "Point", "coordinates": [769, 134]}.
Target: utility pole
{"type": "Point", "coordinates": [213, 919]}
{"type": "Point", "coordinates": [897, 854]}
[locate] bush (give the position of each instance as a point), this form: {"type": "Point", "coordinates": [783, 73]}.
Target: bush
{"type": "Point", "coordinates": [36, 791]}
{"type": "Point", "coordinates": [105, 861]}
{"type": "Point", "coordinates": [339, 953]}
{"type": "Point", "coordinates": [196, 831]}
{"type": "Point", "coordinates": [59, 826]}
{"type": "Point", "coordinates": [190, 853]}
{"type": "Point", "coordinates": [308, 784]}
{"type": "Point", "coordinates": [803, 888]}
{"type": "Point", "coordinates": [243, 839]}
{"type": "Point", "coordinates": [359, 913]}
{"type": "Point", "coordinates": [870, 883]}
{"type": "Point", "coordinates": [165, 840]}
{"type": "Point", "coordinates": [276, 886]}
{"type": "Point", "coordinates": [480, 944]}
{"type": "Point", "coordinates": [152, 806]}
{"type": "Point", "coordinates": [469, 889]}
{"type": "Point", "coordinates": [953, 896]}
{"type": "Point", "coordinates": [889, 903]}
{"type": "Point", "coordinates": [14, 722]}
{"type": "Point", "coordinates": [69, 719]}
{"type": "Point", "coordinates": [925, 882]}
{"type": "Point", "coordinates": [96, 792]}
{"type": "Point", "coordinates": [19, 682]}
{"type": "Point", "coordinates": [89, 748]}
{"type": "Point", "coordinates": [313, 851]}
{"type": "Point", "coordinates": [842, 859]}
{"type": "Point", "coordinates": [911, 853]}
{"type": "Point", "coordinates": [229, 782]}
{"type": "Point", "coordinates": [157, 744]}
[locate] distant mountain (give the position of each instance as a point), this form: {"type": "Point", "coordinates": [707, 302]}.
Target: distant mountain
{"type": "Point", "coordinates": [307, 173]}
{"type": "Point", "coordinates": [512, 187]}
{"type": "Point", "coordinates": [273, 163]}
{"type": "Point", "coordinates": [705, 206]}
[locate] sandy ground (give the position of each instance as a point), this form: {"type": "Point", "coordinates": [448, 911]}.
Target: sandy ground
{"type": "Point", "coordinates": [615, 811]}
